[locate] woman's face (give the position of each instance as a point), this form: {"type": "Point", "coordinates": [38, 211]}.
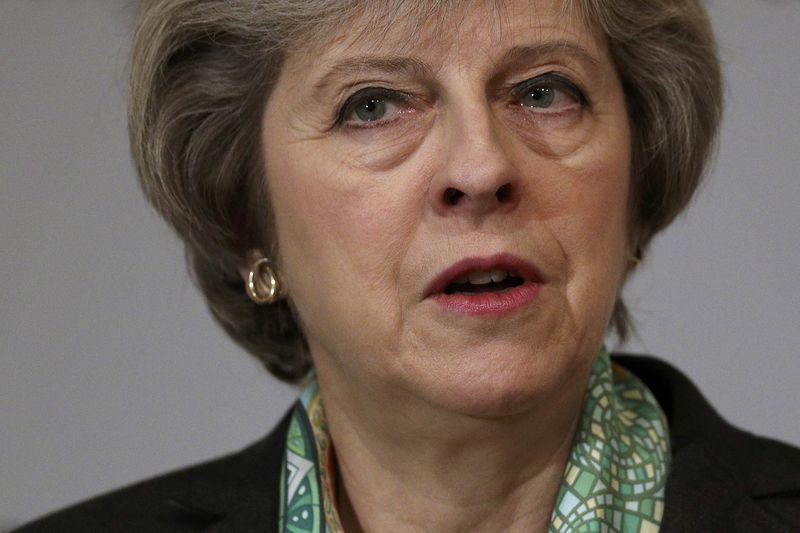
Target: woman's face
{"type": "Point", "coordinates": [406, 173]}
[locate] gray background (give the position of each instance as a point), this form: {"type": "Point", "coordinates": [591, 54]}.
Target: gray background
{"type": "Point", "coordinates": [111, 369]}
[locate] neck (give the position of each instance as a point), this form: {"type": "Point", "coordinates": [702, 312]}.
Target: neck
{"type": "Point", "coordinates": [413, 468]}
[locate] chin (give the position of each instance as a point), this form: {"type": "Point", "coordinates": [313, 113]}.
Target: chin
{"type": "Point", "coordinates": [502, 382]}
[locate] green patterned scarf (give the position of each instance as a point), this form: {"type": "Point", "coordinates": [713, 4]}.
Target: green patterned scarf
{"type": "Point", "coordinates": [614, 480]}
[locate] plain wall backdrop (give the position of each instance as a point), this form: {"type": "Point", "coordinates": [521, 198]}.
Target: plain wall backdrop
{"type": "Point", "coordinates": [111, 369]}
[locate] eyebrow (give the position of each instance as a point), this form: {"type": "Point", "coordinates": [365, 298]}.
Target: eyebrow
{"type": "Point", "coordinates": [384, 64]}
{"type": "Point", "coordinates": [416, 67]}
{"type": "Point", "coordinates": [520, 54]}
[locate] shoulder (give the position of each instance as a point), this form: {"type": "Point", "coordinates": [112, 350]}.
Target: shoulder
{"type": "Point", "coordinates": [239, 491]}
{"type": "Point", "coordinates": [722, 478]}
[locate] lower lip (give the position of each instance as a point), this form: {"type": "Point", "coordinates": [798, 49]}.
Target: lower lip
{"type": "Point", "coordinates": [489, 303]}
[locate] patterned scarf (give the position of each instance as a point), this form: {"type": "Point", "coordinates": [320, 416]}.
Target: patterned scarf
{"type": "Point", "coordinates": [614, 480]}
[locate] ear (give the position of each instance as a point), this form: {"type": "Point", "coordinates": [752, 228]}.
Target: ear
{"type": "Point", "coordinates": [247, 263]}
{"type": "Point", "coordinates": [635, 258]}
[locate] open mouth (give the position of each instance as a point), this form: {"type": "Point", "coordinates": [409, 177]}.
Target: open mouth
{"type": "Point", "coordinates": [495, 285]}
{"type": "Point", "coordinates": [478, 278]}
{"type": "Point", "coordinates": [486, 286]}
{"type": "Point", "coordinates": [478, 281]}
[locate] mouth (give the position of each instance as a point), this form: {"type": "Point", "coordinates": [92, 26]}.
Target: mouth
{"type": "Point", "coordinates": [478, 281]}
{"type": "Point", "coordinates": [490, 285]}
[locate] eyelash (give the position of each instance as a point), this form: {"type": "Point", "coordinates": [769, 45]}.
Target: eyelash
{"type": "Point", "coordinates": [552, 80]}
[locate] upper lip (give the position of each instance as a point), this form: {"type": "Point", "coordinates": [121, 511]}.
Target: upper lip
{"type": "Point", "coordinates": [503, 261]}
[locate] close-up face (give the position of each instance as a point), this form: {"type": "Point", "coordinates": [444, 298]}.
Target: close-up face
{"type": "Point", "coordinates": [450, 209]}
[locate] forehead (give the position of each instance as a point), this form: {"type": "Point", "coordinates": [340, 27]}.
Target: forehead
{"type": "Point", "coordinates": [436, 27]}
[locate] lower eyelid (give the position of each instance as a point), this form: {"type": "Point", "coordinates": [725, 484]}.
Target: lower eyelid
{"type": "Point", "coordinates": [534, 118]}
{"type": "Point", "coordinates": [554, 110]}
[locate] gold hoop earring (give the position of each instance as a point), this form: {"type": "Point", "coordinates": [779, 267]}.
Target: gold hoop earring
{"type": "Point", "coordinates": [263, 285]}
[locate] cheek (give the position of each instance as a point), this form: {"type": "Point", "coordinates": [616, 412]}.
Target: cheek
{"type": "Point", "coordinates": [329, 216]}
{"type": "Point", "coordinates": [594, 232]}
{"type": "Point", "coordinates": [595, 227]}
{"type": "Point", "coordinates": [342, 236]}
{"type": "Point", "coordinates": [580, 201]}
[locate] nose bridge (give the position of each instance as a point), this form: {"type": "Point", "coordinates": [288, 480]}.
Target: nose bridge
{"type": "Point", "coordinates": [477, 174]}
{"type": "Point", "coordinates": [478, 156]}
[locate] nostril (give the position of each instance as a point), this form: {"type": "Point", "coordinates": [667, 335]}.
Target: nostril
{"type": "Point", "coordinates": [503, 194]}
{"type": "Point", "coordinates": [452, 196]}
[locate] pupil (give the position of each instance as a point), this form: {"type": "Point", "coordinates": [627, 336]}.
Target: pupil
{"type": "Point", "coordinates": [371, 110]}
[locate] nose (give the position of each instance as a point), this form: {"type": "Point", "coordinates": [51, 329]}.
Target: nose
{"type": "Point", "coordinates": [477, 177]}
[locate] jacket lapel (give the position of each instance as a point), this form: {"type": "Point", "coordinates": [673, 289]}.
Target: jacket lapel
{"type": "Point", "coordinates": [720, 476]}
{"type": "Point", "coordinates": [703, 494]}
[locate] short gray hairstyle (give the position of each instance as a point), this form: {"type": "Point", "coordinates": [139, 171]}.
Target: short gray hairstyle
{"type": "Point", "coordinates": [201, 71]}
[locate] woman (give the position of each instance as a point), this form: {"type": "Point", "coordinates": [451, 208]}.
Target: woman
{"type": "Point", "coordinates": [434, 205]}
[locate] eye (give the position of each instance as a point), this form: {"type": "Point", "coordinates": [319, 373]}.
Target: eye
{"type": "Point", "coordinates": [371, 107]}
{"type": "Point", "coordinates": [550, 92]}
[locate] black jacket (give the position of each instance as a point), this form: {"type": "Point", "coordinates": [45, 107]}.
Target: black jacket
{"type": "Point", "coordinates": [721, 479]}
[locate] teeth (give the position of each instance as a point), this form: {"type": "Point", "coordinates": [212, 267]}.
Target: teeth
{"type": "Point", "coordinates": [479, 277]}
{"type": "Point", "coordinates": [499, 275]}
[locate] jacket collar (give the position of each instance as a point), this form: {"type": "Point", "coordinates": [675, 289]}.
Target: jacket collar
{"type": "Point", "coordinates": [238, 493]}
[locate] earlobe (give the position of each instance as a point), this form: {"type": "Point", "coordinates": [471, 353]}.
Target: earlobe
{"type": "Point", "coordinates": [249, 260]}
{"type": "Point", "coordinates": [261, 280]}
{"type": "Point", "coordinates": [634, 258]}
